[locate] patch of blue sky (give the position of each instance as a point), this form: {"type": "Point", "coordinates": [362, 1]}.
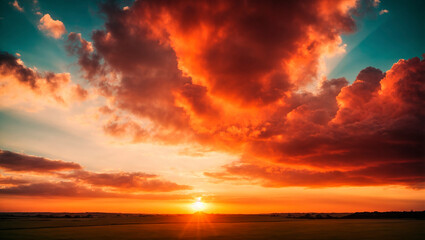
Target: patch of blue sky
{"type": "Point", "coordinates": [21, 34]}
{"type": "Point", "coordinates": [382, 40]}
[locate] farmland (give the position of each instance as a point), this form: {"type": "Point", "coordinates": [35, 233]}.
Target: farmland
{"type": "Point", "coordinates": [202, 226]}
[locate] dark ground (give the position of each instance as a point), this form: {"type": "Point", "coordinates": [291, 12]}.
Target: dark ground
{"type": "Point", "coordinates": [207, 226]}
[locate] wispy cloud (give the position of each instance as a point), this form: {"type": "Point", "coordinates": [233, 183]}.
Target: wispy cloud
{"type": "Point", "coordinates": [383, 11]}
{"type": "Point", "coordinates": [70, 179]}
{"type": "Point", "coordinates": [26, 163]}
{"type": "Point", "coordinates": [15, 4]}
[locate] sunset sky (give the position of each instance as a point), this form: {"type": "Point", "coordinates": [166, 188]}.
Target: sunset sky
{"type": "Point", "coordinates": [241, 106]}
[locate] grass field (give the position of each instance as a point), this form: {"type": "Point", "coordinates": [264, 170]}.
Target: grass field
{"type": "Point", "coordinates": [207, 227]}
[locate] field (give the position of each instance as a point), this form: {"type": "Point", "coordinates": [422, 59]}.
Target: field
{"type": "Point", "coordinates": [204, 226]}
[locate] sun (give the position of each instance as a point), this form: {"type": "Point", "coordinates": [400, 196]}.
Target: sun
{"type": "Point", "coordinates": [199, 206]}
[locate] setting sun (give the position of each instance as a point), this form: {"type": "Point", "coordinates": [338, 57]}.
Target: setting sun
{"type": "Point", "coordinates": [198, 206]}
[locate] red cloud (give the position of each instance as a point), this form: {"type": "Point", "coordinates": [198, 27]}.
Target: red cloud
{"type": "Point", "coordinates": [53, 28]}
{"type": "Point", "coordinates": [230, 75]}
{"type": "Point", "coordinates": [135, 181]}
{"type": "Point", "coordinates": [59, 189]}
{"type": "Point", "coordinates": [89, 60]}
{"type": "Point", "coordinates": [80, 182]}
{"type": "Point", "coordinates": [74, 190]}
{"type": "Point", "coordinates": [11, 180]}
{"type": "Point", "coordinates": [370, 133]}
{"type": "Point", "coordinates": [409, 174]}
{"type": "Point", "coordinates": [25, 163]}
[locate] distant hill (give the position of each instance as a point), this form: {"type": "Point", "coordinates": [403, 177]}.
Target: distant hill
{"type": "Point", "coordinates": [362, 215]}
{"type": "Point", "coordinates": [386, 215]}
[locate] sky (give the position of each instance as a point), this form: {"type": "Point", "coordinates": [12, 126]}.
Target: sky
{"type": "Point", "coordinates": [243, 106]}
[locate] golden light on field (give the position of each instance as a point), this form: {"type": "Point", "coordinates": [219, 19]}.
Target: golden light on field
{"type": "Point", "coordinates": [198, 206]}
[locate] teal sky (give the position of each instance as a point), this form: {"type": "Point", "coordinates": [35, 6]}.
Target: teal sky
{"type": "Point", "coordinates": [381, 40]}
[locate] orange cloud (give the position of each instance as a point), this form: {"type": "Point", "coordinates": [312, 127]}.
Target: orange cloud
{"type": "Point", "coordinates": [383, 11]}
{"type": "Point", "coordinates": [53, 28]}
{"type": "Point", "coordinates": [21, 83]}
{"type": "Point", "coordinates": [15, 4]}
{"type": "Point", "coordinates": [232, 76]}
